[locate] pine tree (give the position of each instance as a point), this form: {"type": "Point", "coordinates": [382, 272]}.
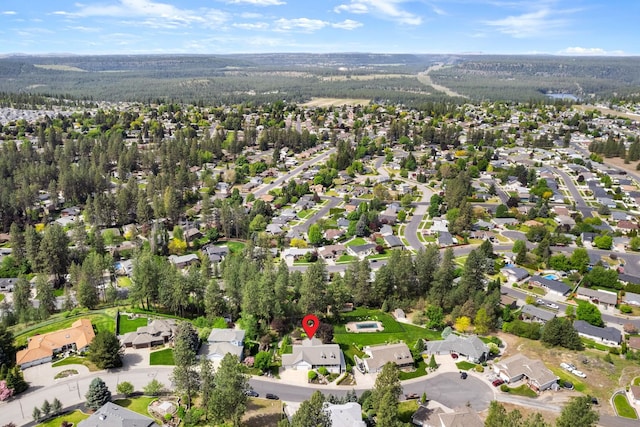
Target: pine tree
{"type": "Point", "coordinates": [56, 406]}
{"type": "Point", "coordinates": [46, 408]}
{"type": "Point", "coordinates": [97, 395]}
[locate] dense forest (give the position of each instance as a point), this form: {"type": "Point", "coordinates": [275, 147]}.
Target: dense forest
{"type": "Point", "coordinates": [263, 78]}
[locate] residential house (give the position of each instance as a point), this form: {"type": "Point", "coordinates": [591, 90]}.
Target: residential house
{"type": "Point", "coordinates": [607, 335]}
{"type": "Point", "coordinates": [631, 299]}
{"type": "Point", "coordinates": [157, 332]}
{"type": "Point", "coordinates": [533, 372]}
{"type": "Point", "coordinates": [380, 355]}
{"type": "Point", "coordinates": [626, 226]}
{"type": "Point", "coordinates": [386, 230]}
{"type": "Point", "coordinates": [470, 347]}
{"type": "Point", "coordinates": [312, 354]}
{"type": "Point", "coordinates": [362, 251]}
{"type": "Point", "coordinates": [223, 341]}
{"type": "Point", "coordinates": [503, 222]}
{"type": "Point", "coordinates": [553, 286]}
{"type": "Point", "coordinates": [436, 417]}
{"type": "Point", "coordinates": [537, 314]}
{"type": "Point", "coordinates": [606, 299]}
{"type": "Point", "coordinates": [289, 255]}
{"type": "Point", "coordinates": [393, 241]}
{"type": "Point", "coordinates": [112, 415]}
{"type": "Point", "coordinates": [332, 251]}
{"type": "Point", "coordinates": [346, 415]}
{"type": "Point", "coordinates": [445, 239]}
{"type": "Point", "coordinates": [333, 234]}
{"type": "Point", "coordinates": [7, 284]}
{"type": "Point", "coordinates": [41, 348]}
{"type": "Point", "coordinates": [192, 234]}
{"type": "Point", "coordinates": [274, 229]}
{"type": "Point", "coordinates": [215, 253]}
{"type": "Point", "coordinates": [183, 261]}
{"type": "Point", "coordinates": [514, 274]}
{"type": "Point", "coordinates": [628, 278]}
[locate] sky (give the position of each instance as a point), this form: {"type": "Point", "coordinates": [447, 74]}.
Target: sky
{"type": "Point", "coordinates": [559, 27]}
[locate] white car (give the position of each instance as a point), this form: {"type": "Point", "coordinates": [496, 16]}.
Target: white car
{"type": "Point", "coordinates": [553, 306]}
{"type": "Point", "coordinates": [579, 373]}
{"type": "Point", "coordinates": [566, 367]}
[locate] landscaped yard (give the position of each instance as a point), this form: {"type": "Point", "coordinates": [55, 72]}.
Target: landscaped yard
{"type": "Point", "coordinates": [351, 343]}
{"type": "Point", "coordinates": [136, 404]}
{"type": "Point", "coordinates": [420, 371]}
{"type": "Point", "coordinates": [523, 390]}
{"type": "Point", "coordinates": [346, 258]}
{"type": "Point", "coordinates": [75, 360]}
{"type": "Point", "coordinates": [465, 366]}
{"type": "Point", "coordinates": [124, 282]}
{"type": "Point", "coordinates": [356, 242]}
{"type": "Point", "coordinates": [127, 325]}
{"type": "Point", "coordinates": [623, 407]}
{"type": "Point", "coordinates": [72, 417]}
{"type": "Point", "coordinates": [101, 321]}
{"type": "Point", "coordinates": [234, 247]}
{"type": "Point", "coordinates": [162, 357]}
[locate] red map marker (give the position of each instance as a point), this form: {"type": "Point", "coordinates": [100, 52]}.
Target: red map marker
{"type": "Point", "coordinates": [310, 324]}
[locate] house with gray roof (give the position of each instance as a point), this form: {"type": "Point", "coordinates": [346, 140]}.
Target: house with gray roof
{"type": "Point", "coordinates": [445, 239]}
{"type": "Point", "coordinates": [380, 355]}
{"type": "Point", "coordinates": [112, 415]}
{"type": "Point", "coordinates": [631, 299]}
{"type": "Point", "coordinates": [157, 332]}
{"type": "Point", "coordinates": [553, 286]}
{"type": "Point", "coordinates": [470, 347]}
{"type": "Point", "coordinates": [393, 241]}
{"type": "Point", "coordinates": [605, 299]}
{"type": "Point", "coordinates": [223, 341]}
{"type": "Point", "coordinates": [7, 284]}
{"type": "Point", "coordinates": [519, 367]}
{"type": "Point", "coordinates": [362, 251]}
{"type": "Point", "coordinates": [312, 354]}
{"type": "Point", "coordinates": [537, 314]}
{"type": "Point", "coordinates": [515, 274]}
{"type": "Point", "coordinates": [608, 335]}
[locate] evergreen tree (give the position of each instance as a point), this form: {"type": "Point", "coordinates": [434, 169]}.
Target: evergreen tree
{"type": "Point", "coordinates": [105, 350]}
{"type": "Point", "coordinates": [56, 406]}
{"type": "Point", "coordinates": [46, 408]}
{"type": "Point", "coordinates": [578, 412]}
{"type": "Point", "coordinates": [97, 395]}
{"type": "Point", "coordinates": [228, 402]}
{"type": "Point", "coordinates": [386, 392]}
{"type": "Point", "coordinates": [311, 413]}
{"type": "Point", "coordinates": [185, 377]}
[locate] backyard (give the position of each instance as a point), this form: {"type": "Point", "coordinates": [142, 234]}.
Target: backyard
{"type": "Point", "coordinates": [72, 417]}
{"type": "Point", "coordinates": [126, 324]}
{"type": "Point", "coordinates": [137, 404]}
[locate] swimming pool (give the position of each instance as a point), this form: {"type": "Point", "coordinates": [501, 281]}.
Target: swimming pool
{"type": "Point", "coordinates": [366, 325]}
{"type": "Point", "coordinates": [551, 277]}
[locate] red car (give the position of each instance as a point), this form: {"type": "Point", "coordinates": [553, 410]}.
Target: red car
{"type": "Point", "coordinates": [454, 355]}
{"type": "Point", "coordinates": [497, 382]}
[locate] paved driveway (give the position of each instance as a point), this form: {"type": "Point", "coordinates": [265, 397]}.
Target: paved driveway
{"type": "Point", "coordinates": [454, 392]}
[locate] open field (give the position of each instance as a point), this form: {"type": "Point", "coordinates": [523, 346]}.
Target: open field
{"type": "Point", "coordinates": [604, 110]}
{"type": "Point", "coordinates": [329, 102]}
{"type": "Point", "coordinates": [262, 413]}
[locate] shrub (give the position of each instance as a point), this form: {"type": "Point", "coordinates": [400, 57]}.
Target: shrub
{"type": "Point", "coordinates": [504, 388]}
{"type": "Point", "coordinates": [312, 375]}
{"type": "Point", "coordinates": [323, 371]}
{"type": "Point", "coordinates": [625, 309]}
{"type": "Point", "coordinates": [479, 368]}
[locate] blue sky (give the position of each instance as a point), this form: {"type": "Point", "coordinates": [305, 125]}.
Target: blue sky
{"type": "Point", "coordinates": [575, 27]}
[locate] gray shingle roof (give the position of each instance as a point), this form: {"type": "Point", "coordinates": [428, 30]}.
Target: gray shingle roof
{"type": "Point", "coordinates": [554, 285]}
{"type": "Point", "coordinates": [112, 415]}
{"type": "Point", "coordinates": [472, 346]}
{"type": "Point", "coordinates": [539, 313]}
{"type": "Point", "coordinates": [609, 333]}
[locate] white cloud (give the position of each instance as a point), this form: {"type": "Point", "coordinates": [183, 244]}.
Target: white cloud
{"type": "Point", "coordinates": [83, 29]}
{"type": "Point", "coordinates": [251, 25]}
{"type": "Point", "coordinates": [258, 2]}
{"type": "Point", "coordinates": [590, 51]}
{"type": "Point", "coordinates": [304, 25]}
{"type": "Point", "coordinates": [384, 9]}
{"type": "Point", "coordinates": [151, 13]}
{"type": "Point", "coordinates": [531, 24]}
{"type": "Point", "coordinates": [347, 24]}
{"type": "Point", "coordinates": [9, 12]}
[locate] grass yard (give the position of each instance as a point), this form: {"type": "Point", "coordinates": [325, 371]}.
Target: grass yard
{"type": "Point", "coordinates": [130, 325]}
{"type": "Point", "coordinates": [420, 371]}
{"type": "Point", "coordinates": [76, 360]}
{"type": "Point", "coordinates": [100, 320]}
{"type": "Point", "coordinates": [406, 409]}
{"type": "Point", "coordinates": [465, 366]}
{"type": "Point", "coordinates": [234, 247]}
{"type": "Point", "coordinates": [523, 390]}
{"type": "Point", "coordinates": [262, 413]}
{"type": "Point", "coordinates": [356, 242]}
{"type": "Point", "coordinates": [72, 417]}
{"type": "Point", "coordinates": [346, 258]}
{"type": "Point", "coordinates": [136, 404]}
{"type": "Point", "coordinates": [623, 407]}
{"type": "Point", "coordinates": [162, 357]}
{"type": "Point", "coordinates": [124, 281]}
{"type": "Point", "coordinates": [351, 343]}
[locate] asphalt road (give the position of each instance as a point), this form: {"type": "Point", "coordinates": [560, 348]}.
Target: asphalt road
{"type": "Point", "coordinates": [581, 205]}
{"type": "Point", "coordinates": [332, 203]}
{"type": "Point", "coordinates": [452, 391]}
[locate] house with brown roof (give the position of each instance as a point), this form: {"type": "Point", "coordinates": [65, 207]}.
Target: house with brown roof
{"type": "Point", "coordinates": [519, 367]}
{"type": "Point", "coordinates": [380, 355]}
{"type": "Point", "coordinates": [158, 332]}
{"type": "Point", "coordinates": [42, 348]}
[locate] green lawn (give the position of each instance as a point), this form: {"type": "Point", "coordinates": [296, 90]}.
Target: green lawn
{"type": "Point", "coordinates": [636, 381]}
{"type": "Point", "coordinates": [124, 282]}
{"type": "Point", "coordinates": [130, 325]}
{"type": "Point", "coordinates": [162, 357]}
{"type": "Point", "coordinates": [73, 417]}
{"type": "Point", "coordinates": [465, 366]}
{"type": "Point", "coordinates": [356, 242]}
{"type": "Point", "coordinates": [420, 371]}
{"type": "Point", "coordinates": [75, 360]}
{"type": "Point", "coordinates": [393, 332]}
{"type": "Point", "coordinates": [623, 407]}
{"type": "Point", "coordinates": [100, 320]}
{"type": "Point", "coordinates": [523, 390]}
{"type": "Point", "coordinates": [136, 404]}
{"type": "Point", "coordinates": [234, 247]}
{"type": "Point", "coordinates": [346, 258]}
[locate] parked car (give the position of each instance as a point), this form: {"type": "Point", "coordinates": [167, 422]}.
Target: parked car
{"type": "Point", "coordinates": [271, 396]}
{"type": "Point", "coordinates": [566, 367]}
{"type": "Point", "coordinates": [463, 375]}
{"type": "Point", "coordinates": [454, 355]}
{"type": "Point", "coordinates": [553, 306]}
{"type": "Point", "coordinates": [579, 373]}
{"type": "Point", "coordinates": [412, 396]}
{"type": "Point", "coordinates": [252, 393]}
{"type": "Point", "coordinates": [497, 382]}
{"type": "Point", "coordinates": [539, 301]}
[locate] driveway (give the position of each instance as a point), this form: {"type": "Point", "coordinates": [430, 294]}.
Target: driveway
{"type": "Point", "coordinates": [453, 392]}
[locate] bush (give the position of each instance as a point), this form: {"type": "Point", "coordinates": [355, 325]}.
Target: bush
{"type": "Point", "coordinates": [625, 309]}
{"type": "Point", "coordinates": [504, 388]}
{"type": "Point", "coordinates": [479, 368]}
{"type": "Point", "coordinates": [312, 375]}
{"type": "Point", "coordinates": [323, 371]}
